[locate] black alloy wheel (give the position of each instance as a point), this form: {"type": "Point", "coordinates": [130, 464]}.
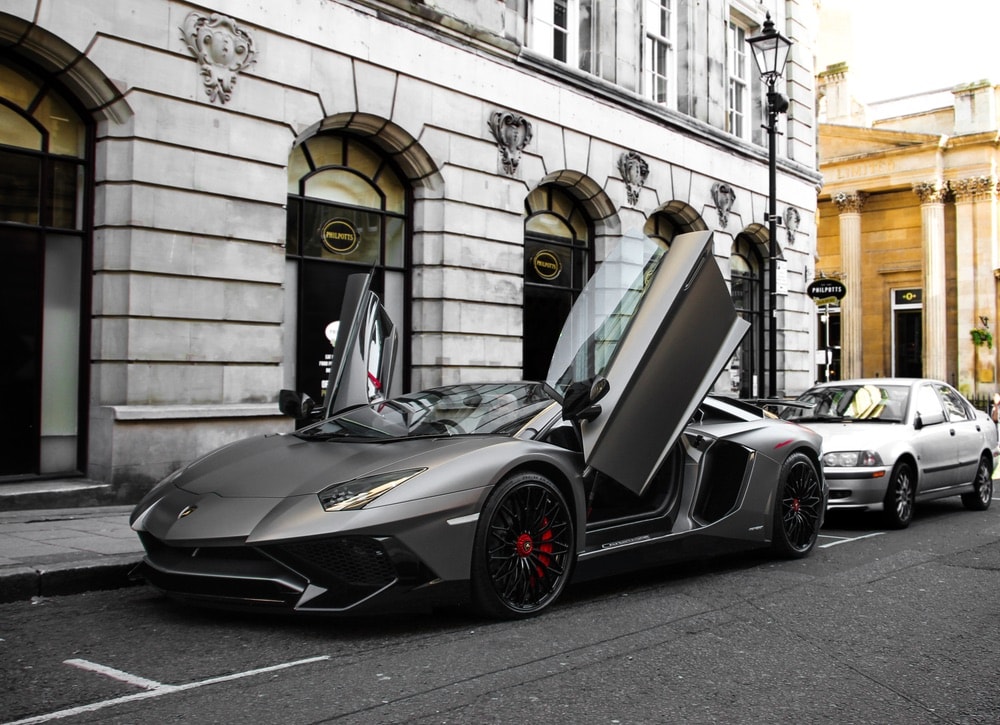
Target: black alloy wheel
{"type": "Point", "coordinates": [524, 549]}
{"type": "Point", "coordinates": [900, 497]}
{"type": "Point", "coordinates": [982, 488]}
{"type": "Point", "coordinates": [798, 513]}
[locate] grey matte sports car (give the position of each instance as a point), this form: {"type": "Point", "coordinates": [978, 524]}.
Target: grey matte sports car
{"type": "Point", "coordinates": [499, 494]}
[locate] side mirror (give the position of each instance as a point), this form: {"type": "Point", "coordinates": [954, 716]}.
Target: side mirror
{"type": "Point", "coordinates": [580, 401]}
{"type": "Point", "coordinates": [925, 419]}
{"type": "Point", "coordinates": [295, 405]}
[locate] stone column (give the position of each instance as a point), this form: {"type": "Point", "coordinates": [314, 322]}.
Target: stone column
{"type": "Point", "coordinates": [975, 245]}
{"type": "Point", "coordinates": [851, 309]}
{"type": "Point", "coordinates": [935, 356]}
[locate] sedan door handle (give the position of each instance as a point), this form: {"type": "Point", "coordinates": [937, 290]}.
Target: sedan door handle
{"type": "Point", "coordinates": [952, 431]}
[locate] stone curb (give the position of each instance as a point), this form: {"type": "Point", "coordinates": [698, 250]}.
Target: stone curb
{"type": "Point", "coordinates": [75, 577]}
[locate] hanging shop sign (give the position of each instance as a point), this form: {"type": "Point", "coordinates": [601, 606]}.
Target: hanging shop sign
{"type": "Point", "coordinates": [826, 291]}
{"type": "Point", "coordinates": [339, 236]}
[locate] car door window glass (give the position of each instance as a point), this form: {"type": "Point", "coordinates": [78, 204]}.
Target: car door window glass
{"type": "Point", "coordinates": [953, 403]}
{"type": "Point", "coordinates": [928, 402]}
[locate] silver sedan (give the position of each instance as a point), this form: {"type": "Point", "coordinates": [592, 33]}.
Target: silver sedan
{"type": "Point", "coordinates": [891, 442]}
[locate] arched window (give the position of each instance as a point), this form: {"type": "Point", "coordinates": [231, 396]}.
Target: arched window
{"type": "Point", "coordinates": [557, 264]}
{"type": "Point", "coordinates": [747, 364]}
{"type": "Point", "coordinates": [44, 262]}
{"type": "Point", "coordinates": [347, 214]}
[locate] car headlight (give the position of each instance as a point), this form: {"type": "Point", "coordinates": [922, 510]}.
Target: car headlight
{"type": "Point", "coordinates": [360, 492]}
{"type": "Point", "coordinates": [851, 459]}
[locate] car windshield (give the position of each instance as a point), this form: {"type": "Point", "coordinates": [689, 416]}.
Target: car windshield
{"type": "Point", "coordinates": [489, 408]}
{"type": "Point", "coordinates": [603, 312]}
{"type": "Point", "coordinates": [868, 402]}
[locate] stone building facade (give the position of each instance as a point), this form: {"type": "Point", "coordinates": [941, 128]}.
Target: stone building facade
{"type": "Point", "coordinates": [909, 223]}
{"type": "Point", "coordinates": [189, 185]}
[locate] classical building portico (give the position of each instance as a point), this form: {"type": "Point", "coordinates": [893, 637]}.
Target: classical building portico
{"type": "Point", "coordinates": [909, 222]}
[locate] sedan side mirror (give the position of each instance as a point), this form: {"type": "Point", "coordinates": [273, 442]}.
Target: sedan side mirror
{"type": "Point", "coordinates": [925, 419]}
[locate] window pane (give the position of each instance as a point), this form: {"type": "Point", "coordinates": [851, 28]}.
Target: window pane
{"type": "Point", "coordinates": [394, 241]}
{"type": "Point", "coordinates": [548, 264]}
{"type": "Point", "coordinates": [19, 187]}
{"type": "Point", "coordinates": [67, 187]}
{"type": "Point", "coordinates": [343, 186]}
{"type": "Point", "coordinates": [18, 87]}
{"type": "Point", "coordinates": [327, 237]}
{"type": "Point", "coordinates": [16, 130]}
{"type": "Point", "coordinates": [548, 224]}
{"type": "Point", "coordinates": [326, 151]}
{"type": "Point", "coordinates": [560, 24]}
{"type": "Point", "coordinates": [363, 159]}
{"type": "Point", "coordinates": [66, 132]}
{"type": "Point", "coordinates": [393, 189]}
{"type": "Point", "coordinates": [298, 166]}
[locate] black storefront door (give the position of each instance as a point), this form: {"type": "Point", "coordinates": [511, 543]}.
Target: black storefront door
{"type": "Point", "coordinates": [21, 284]}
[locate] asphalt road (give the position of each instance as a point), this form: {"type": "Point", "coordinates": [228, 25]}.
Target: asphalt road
{"type": "Point", "coordinates": [874, 627]}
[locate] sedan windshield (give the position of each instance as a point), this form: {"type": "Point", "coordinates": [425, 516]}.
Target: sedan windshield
{"type": "Point", "coordinates": [489, 408]}
{"type": "Point", "coordinates": [886, 403]}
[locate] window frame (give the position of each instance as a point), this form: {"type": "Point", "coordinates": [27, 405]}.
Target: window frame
{"type": "Point", "coordinates": [659, 71]}
{"type": "Point", "coordinates": [739, 77]}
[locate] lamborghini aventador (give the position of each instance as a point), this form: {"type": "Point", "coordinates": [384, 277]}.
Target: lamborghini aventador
{"type": "Point", "coordinates": [499, 494]}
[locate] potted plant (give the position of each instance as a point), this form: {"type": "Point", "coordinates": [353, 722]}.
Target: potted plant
{"type": "Point", "coordinates": [982, 335]}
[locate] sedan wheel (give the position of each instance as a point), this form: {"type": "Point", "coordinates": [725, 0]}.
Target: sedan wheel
{"type": "Point", "coordinates": [523, 554]}
{"type": "Point", "coordinates": [799, 511]}
{"type": "Point", "coordinates": [899, 498]}
{"type": "Point", "coordinates": [982, 489]}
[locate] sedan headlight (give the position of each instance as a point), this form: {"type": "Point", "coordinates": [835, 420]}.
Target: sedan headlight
{"type": "Point", "coordinates": [360, 492]}
{"type": "Point", "coordinates": [851, 459]}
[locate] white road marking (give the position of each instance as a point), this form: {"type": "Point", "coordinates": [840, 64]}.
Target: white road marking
{"type": "Point", "coordinates": [846, 539]}
{"type": "Point", "coordinates": [117, 675]}
{"type": "Point", "coordinates": [154, 689]}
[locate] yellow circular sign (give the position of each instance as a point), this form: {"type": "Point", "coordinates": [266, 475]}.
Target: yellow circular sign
{"type": "Point", "coordinates": [546, 264]}
{"type": "Point", "coordinates": [339, 236]}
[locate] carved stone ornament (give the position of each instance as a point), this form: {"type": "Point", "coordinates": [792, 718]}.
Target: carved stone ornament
{"type": "Point", "coordinates": [634, 171]}
{"type": "Point", "coordinates": [512, 133]}
{"type": "Point", "coordinates": [792, 219]}
{"type": "Point", "coordinates": [976, 188]}
{"type": "Point", "coordinates": [723, 196]}
{"type": "Point", "coordinates": [222, 49]}
{"type": "Point", "coordinates": [931, 192]}
{"type": "Point", "coordinates": [850, 203]}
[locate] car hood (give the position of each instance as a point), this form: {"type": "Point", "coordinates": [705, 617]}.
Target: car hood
{"type": "Point", "coordinates": [280, 466]}
{"type": "Point", "coordinates": [857, 435]}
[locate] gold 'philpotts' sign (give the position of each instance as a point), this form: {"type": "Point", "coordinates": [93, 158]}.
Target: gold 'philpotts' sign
{"type": "Point", "coordinates": [546, 264]}
{"type": "Point", "coordinates": [339, 236]}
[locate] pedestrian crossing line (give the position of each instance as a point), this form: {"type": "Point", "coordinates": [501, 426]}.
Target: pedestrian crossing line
{"type": "Point", "coordinates": [151, 688]}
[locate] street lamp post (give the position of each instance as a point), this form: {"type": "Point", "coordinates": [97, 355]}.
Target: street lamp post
{"type": "Point", "coordinates": [770, 52]}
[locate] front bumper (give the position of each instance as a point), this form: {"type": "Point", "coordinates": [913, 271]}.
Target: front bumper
{"type": "Point", "coordinates": [338, 574]}
{"type": "Point", "coordinates": [856, 488]}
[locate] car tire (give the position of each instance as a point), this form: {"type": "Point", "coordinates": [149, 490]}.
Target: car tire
{"type": "Point", "coordinates": [524, 549]}
{"type": "Point", "coordinates": [981, 496]}
{"type": "Point", "coordinates": [900, 497]}
{"type": "Point", "coordinates": [798, 509]}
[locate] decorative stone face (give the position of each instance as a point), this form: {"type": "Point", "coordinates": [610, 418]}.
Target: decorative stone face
{"type": "Point", "coordinates": [792, 220]}
{"type": "Point", "coordinates": [634, 171]}
{"type": "Point", "coordinates": [724, 197]}
{"type": "Point", "coordinates": [512, 133]}
{"type": "Point", "coordinates": [222, 49]}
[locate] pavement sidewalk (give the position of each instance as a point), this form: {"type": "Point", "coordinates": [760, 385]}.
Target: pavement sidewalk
{"type": "Point", "coordinates": [65, 551]}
